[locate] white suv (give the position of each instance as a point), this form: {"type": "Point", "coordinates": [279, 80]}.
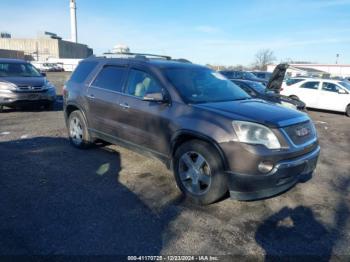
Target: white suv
{"type": "Point", "coordinates": [321, 93]}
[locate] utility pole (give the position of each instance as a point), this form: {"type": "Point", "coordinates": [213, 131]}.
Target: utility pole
{"type": "Point", "coordinates": [337, 58]}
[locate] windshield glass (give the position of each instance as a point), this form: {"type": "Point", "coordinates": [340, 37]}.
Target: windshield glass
{"type": "Point", "coordinates": [345, 84]}
{"type": "Point", "coordinates": [258, 87]}
{"type": "Point", "coordinates": [203, 85]}
{"type": "Point", "coordinates": [249, 75]}
{"type": "Point", "coordinates": [8, 69]}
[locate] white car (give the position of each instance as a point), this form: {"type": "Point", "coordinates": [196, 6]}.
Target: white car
{"type": "Point", "coordinates": [321, 93]}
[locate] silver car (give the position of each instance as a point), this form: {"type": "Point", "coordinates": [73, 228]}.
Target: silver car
{"type": "Point", "coordinates": [21, 84]}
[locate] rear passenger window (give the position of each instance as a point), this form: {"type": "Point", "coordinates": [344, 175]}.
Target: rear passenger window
{"type": "Point", "coordinates": [290, 82]}
{"type": "Point", "coordinates": [310, 85]}
{"type": "Point", "coordinates": [82, 71]}
{"type": "Point", "coordinates": [140, 83]}
{"type": "Point", "coordinates": [111, 78]}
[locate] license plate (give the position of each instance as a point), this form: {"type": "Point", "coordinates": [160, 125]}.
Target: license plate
{"type": "Point", "coordinates": [33, 96]}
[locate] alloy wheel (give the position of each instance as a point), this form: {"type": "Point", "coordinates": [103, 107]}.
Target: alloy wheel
{"type": "Point", "coordinates": [195, 173]}
{"type": "Point", "coordinates": [76, 130]}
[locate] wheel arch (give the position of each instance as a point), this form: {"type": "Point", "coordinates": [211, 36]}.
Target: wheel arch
{"type": "Point", "coordinates": [183, 136]}
{"type": "Point", "coordinates": [73, 107]}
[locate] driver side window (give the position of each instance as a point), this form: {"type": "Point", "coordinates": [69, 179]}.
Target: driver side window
{"type": "Point", "coordinates": [141, 83]}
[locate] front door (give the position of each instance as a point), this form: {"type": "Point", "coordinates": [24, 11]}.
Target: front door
{"type": "Point", "coordinates": [145, 123]}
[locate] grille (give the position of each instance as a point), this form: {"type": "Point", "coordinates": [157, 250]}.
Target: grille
{"type": "Point", "coordinates": [297, 132]}
{"type": "Point", "coordinates": [31, 89]}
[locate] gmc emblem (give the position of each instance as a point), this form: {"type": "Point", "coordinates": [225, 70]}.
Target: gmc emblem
{"type": "Point", "coordinates": [302, 131]}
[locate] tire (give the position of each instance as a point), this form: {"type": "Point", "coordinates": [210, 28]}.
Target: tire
{"type": "Point", "coordinates": [78, 131]}
{"type": "Point", "coordinates": [348, 111]}
{"type": "Point", "coordinates": [294, 97]}
{"type": "Point", "coordinates": [206, 183]}
{"type": "Point", "coordinates": [49, 105]}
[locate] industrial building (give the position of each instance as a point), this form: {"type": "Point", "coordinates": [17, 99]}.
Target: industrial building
{"type": "Point", "coordinates": [45, 46]}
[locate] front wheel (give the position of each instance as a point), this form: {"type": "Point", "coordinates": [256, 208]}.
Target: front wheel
{"type": "Point", "coordinates": [78, 130]}
{"type": "Point", "coordinates": [348, 111]}
{"type": "Point", "coordinates": [199, 172]}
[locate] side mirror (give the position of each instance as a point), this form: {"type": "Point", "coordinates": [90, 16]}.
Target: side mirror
{"type": "Point", "coordinates": [342, 91]}
{"type": "Point", "coordinates": [43, 74]}
{"type": "Point", "coordinates": [154, 97]}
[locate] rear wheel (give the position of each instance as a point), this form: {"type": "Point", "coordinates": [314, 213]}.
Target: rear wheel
{"type": "Point", "coordinates": [78, 130]}
{"type": "Point", "coordinates": [294, 97]}
{"type": "Point", "coordinates": [348, 111]}
{"type": "Point", "coordinates": [199, 172]}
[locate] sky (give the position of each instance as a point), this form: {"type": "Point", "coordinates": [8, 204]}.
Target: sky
{"type": "Point", "coordinates": [227, 32]}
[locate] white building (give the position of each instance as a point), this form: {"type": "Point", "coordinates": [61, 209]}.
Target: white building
{"type": "Point", "coordinates": [316, 70]}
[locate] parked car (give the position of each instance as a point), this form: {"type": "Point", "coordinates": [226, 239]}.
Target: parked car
{"type": "Point", "coordinates": [230, 74]}
{"type": "Point", "coordinates": [21, 83]}
{"type": "Point", "coordinates": [321, 93]}
{"type": "Point", "coordinates": [262, 74]}
{"type": "Point", "coordinates": [258, 90]}
{"type": "Point", "coordinates": [211, 133]}
{"type": "Point", "coordinates": [48, 67]}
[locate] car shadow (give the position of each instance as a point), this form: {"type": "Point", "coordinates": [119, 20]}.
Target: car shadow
{"type": "Point", "coordinates": [296, 234]}
{"type": "Point", "coordinates": [56, 199]}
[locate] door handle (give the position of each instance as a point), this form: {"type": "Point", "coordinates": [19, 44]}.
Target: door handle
{"type": "Point", "coordinates": [124, 105]}
{"type": "Point", "coordinates": [91, 96]}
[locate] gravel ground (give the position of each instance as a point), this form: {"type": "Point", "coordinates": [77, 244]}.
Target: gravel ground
{"type": "Point", "coordinates": [56, 199]}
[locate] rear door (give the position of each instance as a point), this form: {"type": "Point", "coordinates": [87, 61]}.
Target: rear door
{"type": "Point", "coordinates": [103, 96]}
{"type": "Point", "coordinates": [145, 123]}
{"type": "Point", "coordinates": [308, 92]}
{"type": "Point", "coordinates": [330, 99]}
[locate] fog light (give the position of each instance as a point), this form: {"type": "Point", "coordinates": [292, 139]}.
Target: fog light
{"type": "Point", "coordinates": [265, 167]}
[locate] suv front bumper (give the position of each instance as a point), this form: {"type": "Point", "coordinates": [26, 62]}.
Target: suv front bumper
{"type": "Point", "coordinates": [285, 174]}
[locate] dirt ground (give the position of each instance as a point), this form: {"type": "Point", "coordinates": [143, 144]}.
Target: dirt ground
{"type": "Point", "coordinates": [55, 199]}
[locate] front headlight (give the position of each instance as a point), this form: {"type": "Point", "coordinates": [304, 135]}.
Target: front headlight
{"type": "Point", "coordinates": [252, 133]}
{"type": "Point", "coordinates": [49, 85]}
{"type": "Point", "coordinates": [7, 86]}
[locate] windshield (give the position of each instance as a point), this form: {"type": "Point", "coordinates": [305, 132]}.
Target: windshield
{"type": "Point", "coordinates": [258, 87]}
{"type": "Point", "coordinates": [203, 85]}
{"type": "Point", "coordinates": [8, 69]}
{"type": "Point", "coordinates": [249, 75]}
{"type": "Point", "coordinates": [345, 84]}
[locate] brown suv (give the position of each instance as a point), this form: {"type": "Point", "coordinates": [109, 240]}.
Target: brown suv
{"type": "Point", "coordinates": [214, 136]}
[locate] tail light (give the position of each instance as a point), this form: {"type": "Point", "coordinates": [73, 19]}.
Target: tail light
{"type": "Point", "coordinates": [65, 91]}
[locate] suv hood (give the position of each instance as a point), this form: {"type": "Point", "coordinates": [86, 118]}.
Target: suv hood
{"type": "Point", "coordinates": [277, 77]}
{"type": "Point", "coordinates": [256, 110]}
{"type": "Point", "coordinates": [25, 81]}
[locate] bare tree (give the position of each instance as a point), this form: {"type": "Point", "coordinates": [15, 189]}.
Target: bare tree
{"type": "Point", "coordinates": [263, 58]}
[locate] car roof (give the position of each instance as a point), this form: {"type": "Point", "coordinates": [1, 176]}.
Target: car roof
{"type": "Point", "coordinates": [160, 63]}
{"type": "Point", "coordinates": [322, 79]}
{"type": "Point", "coordinates": [9, 60]}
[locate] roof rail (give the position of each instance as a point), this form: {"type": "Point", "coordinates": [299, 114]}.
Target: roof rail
{"type": "Point", "coordinates": [139, 55]}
